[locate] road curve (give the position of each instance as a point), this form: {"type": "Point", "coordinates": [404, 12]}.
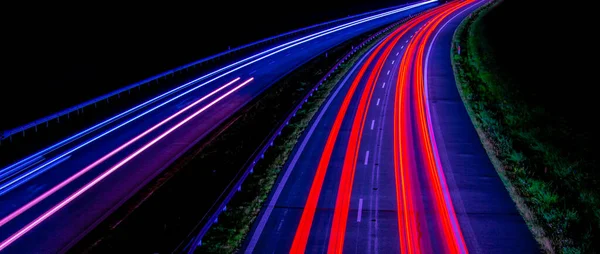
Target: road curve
{"type": "Point", "coordinates": [392, 163]}
{"type": "Point", "coordinates": [51, 199]}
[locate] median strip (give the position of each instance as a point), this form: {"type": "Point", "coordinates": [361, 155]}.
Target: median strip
{"type": "Point", "coordinates": [227, 236]}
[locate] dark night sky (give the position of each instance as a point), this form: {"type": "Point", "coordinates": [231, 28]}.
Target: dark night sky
{"type": "Point", "coordinates": [93, 48]}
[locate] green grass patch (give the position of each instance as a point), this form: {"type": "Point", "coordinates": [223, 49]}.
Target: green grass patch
{"type": "Point", "coordinates": [555, 189]}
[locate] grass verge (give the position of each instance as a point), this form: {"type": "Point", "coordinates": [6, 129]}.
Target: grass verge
{"type": "Point", "coordinates": [556, 190]}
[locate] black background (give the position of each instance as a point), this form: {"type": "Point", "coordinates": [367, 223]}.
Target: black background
{"type": "Point", "coordinates": [550, 49]}
{"type": "Point", "coordinates": [56, 55]}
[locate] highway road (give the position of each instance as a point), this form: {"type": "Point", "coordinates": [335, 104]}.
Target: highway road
{"type": "Point", "coordinates": [51, 199]}
{"type": "Point", "coordinates": [392, 162]}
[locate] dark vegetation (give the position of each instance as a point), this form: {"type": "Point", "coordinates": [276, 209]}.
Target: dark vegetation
{"type": "Point", "coordinates": [527, 93]}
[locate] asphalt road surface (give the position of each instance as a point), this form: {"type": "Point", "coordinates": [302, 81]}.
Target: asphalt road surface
{"type": "Point", "coordinates": [392, 162]}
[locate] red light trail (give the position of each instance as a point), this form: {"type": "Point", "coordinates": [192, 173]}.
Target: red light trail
{"type": "Point", "coordinates": [414, 150]}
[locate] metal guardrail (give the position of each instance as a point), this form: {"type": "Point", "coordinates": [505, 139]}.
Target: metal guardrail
{"type": "Point", "coordinates": [195, 239]}
{"type": "Point", "coordinates": [6, 134]}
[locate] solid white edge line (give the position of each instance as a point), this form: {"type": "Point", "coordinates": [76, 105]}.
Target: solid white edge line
{"type": "Point", "coordinates": [454, 219]}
